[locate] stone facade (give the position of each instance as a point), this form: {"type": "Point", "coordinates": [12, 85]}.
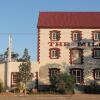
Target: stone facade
{"type": "Point", "coordinates": [87, 67]}
{"type": "Point", "coordinates": [89, 63]}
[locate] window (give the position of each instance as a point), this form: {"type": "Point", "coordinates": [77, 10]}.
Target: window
{"type": "Point", "coordinates": [54, 35]}
{"type": "Point", "coordinates": [96, 73]}
{"type": "Point", "coordinates": [54, 53]}
{"type": "Point", "coordinates": [76, 56]}
{"type": "Point", "coordinates": [76, 35]}
{"type": "Point", "coordinates": [78, 73]}
{"type": "Point", "coordinates": [14, 78]}
{"type": "Point", "coordinates": [96, 53]}
{"type": "Point", "coordinates": [96, 35]}
{"type": "Point", "coordinates": [53, 71]}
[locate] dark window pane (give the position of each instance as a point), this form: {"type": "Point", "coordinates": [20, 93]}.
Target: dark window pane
{"type": "Point", "coordinates": [79, 73]}
{"type": "Point", "coordinates": [74, 73]}
{"type": "Point", "coordinates": [78, 79]}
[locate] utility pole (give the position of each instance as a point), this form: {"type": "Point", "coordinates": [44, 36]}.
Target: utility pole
{"type": "Point", "coordinates": [9, 48]}
{"type": "Point", "coordinates": [8, 64]}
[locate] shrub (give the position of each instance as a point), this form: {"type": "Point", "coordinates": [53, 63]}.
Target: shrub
{"type": "Point", "coordinates": [62, 83]}
{"type": "Point", "coordinates": [20, 86]}
{"type": "Point", "coordinates": [92, 88]}
{"type": "Point", "coordinates": [1, 86]}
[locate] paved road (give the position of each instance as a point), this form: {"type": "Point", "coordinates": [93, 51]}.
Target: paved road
{"type": "Point", "coordinates": [52, 97]}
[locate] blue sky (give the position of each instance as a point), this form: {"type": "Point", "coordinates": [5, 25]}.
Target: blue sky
{"type": "Point", "coordinates": [19, 17]}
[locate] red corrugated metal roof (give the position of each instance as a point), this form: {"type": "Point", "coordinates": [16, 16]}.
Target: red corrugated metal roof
{"type": "Point", "coordinates": [69, 20]}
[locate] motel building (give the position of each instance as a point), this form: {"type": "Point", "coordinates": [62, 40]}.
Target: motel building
{"type": "Point", "coordinates": [67, 41]}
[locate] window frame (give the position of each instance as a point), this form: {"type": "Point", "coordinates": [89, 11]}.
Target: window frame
{"type": "Point", "coordinates": [95, 75]}
{"type": "Point", "coordinates": [80, 50]}
{"type": "Point", "coordinates": [76, 76]}
{"type": "Point", "coordinates": [56, 71]}
{"type": "Point", "coordinates": [94, 53]}
{"type": "Point", "coordinates": [13, 79]}
{"type": "Point", "coordinates": [54, 50]}
{"type": "Point", "coordinates": [95, 35]}
{"type": "Point", "coordinates": [75, 35]}
{"type": "Point", "coordinates": [54, 34]}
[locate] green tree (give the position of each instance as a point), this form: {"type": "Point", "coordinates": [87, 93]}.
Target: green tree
{"type": "Point", "coordinates": [2, 59]}
{"type": "Point", "coordinates": [14, 55]}
{"type": "Point", "coordinates": [26, 56]}
{"type": "Point", "coordinates": [6, 54]}
{"type": "Point", "coordinates": [25, 74]}
{"type": "Point", "coordinates": [62, 83]}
